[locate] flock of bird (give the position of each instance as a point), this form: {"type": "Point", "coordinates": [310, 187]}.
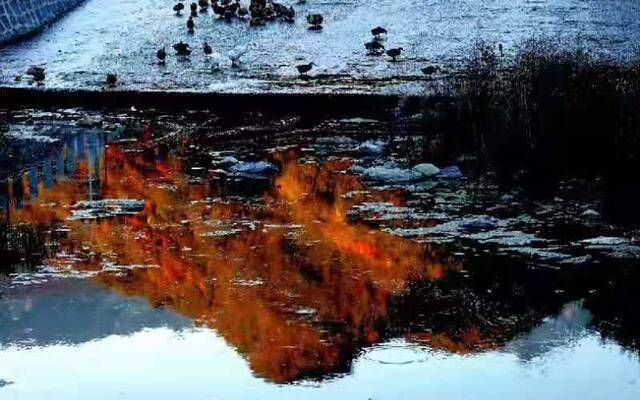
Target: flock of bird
{"type": "Point", "coordinates": [258, 13]}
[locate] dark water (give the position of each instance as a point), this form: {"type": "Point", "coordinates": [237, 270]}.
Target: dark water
{"type": "Point", "coordinates": [106, 36]}
{"type": "Point", "coordinates": [300, 283]}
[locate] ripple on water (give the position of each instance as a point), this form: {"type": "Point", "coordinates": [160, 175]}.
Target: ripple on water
{"type": "Point", "coordinates": [397, 353]}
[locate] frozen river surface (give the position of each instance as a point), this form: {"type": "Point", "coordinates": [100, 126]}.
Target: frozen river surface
{"type": "Point", "coordinates": [122, 37]}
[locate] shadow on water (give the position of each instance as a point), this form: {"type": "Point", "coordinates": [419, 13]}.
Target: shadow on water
{"type": "Point", "coordinates": [272, 263]}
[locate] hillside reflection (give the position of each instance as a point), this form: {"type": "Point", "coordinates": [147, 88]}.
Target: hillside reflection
{"type": "Point", "coordinates": [281, 274]}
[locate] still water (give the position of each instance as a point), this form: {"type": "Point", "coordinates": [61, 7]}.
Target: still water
{"type": "Point", "coordinates": [210, 285]}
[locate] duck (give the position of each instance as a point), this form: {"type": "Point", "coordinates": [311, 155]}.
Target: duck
{"type": "Point", "coordinates": [315, 20]}
{"type": "Point", "coordinates": [257, 6]}
{"type": "Point", "coordinates": [256, 20]}
{"type": "Point", "coordinates": [289, 14]}
{"type": "Point", "coordinates": [374, 47]}
{"type": "Point", "coordinates": [204, 5]}
{"type": "Point", "coordinates": [279, 9]}
{"type": "Point", "coordinates": [233, 7]}
{"type": "Point", "coordinates": [218, 9]}
{"type": "Point", "coordinates": [378, 31]}
{"type": "Point", "coordinates": [162, 55]}
{"type": "Point", "coordinates": [207, 49]}
{"type": "Point", "coordinates": [37, 73]}
{"type": "Point", "coordinates": [236, 54]}
{"type": "Point", "coordinates": [191, 25]}
{"type": "Point", "coordinates": [112, 80]}
{"type": "Point", "coordinates": [304, 68]}
{"type": "Point", "coordinates": [178, 8]}
{"type": "Point", "coordinates": [269, 11]}
{"type": "Point", "coordinates": [242, 11]}
{"type": "Point", "coordinates": [394, 53]}
{"type": "Point", "coordinates": [229, 13]}
{"type": "Point", "coordinates": [182, 49]}
{"type": "Point", "coordinates": [194, 9]}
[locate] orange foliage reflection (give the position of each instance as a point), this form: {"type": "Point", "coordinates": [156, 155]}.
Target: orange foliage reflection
{"type": "Point", "coordinates": [285, 278]}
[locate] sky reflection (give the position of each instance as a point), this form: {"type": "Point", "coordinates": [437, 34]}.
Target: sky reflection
{"type": "Point", "coordinates": [163, 363]}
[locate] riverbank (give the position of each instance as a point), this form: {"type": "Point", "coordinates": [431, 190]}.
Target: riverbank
{"type": "Point", "coordinates": [103, 36]}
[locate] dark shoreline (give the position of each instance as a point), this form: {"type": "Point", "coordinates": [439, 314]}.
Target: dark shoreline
{"type": "Point", "coordinates": [369, 105]}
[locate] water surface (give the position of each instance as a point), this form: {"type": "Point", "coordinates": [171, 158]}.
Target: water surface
{"type": "Point", "coordinates": [288, 284]}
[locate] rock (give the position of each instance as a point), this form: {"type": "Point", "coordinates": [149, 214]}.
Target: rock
{"type": "Point", "coordinates": [426, 169]}
{"type": "Point", "coordinates": [452, 172]}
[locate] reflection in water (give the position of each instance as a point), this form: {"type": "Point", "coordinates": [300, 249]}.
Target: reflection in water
{"type": "Point", "coordinates": [198, 364]}
{"type": "Point", "coordinates": [281, 275]}
{"type": "Point", "coordinates": [285, 278]}
{"type": "Point", "coordinates": [562, 331]}
{"type": "Point", "coordinates": [73, 311]}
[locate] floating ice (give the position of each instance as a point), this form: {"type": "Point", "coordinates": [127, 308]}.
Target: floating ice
{"type": "Point", "coordinates": [372, 147]}
{"type": "Point", "coordinates": [384, 212]}
{"type": "Point", "coordinates": [338, 140]}
{"type": "Point", "coordinates": [227, 161]}
{"type": "Point", "coordinates": [117, 268]}
{"type": "Point", "coordinates": [452, 172]}
{"type": "Point", "coordinates": [254, 168]}
{"type": "Point", "coordinates": [590, 214]}
{"type": "Point", "coordinates": [359, 121]}
{"type": "Point", "coordinates": [479, 222]}
{"type": "Point", "coordinates": [105, 208]}
{"type": "Point", "coordinates": [426, 169]}
{"type": "Point", "coordinates": [606, 241]}
{"type": "Point", "coordinates": [544, 254]}
{"type": "Point", "coordinates": [391, 174]}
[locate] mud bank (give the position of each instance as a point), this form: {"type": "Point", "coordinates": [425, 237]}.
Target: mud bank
{"type": "Point", "coordinates": [368, 104]}
{"type": "Point", "coordinates": [104, 36]}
